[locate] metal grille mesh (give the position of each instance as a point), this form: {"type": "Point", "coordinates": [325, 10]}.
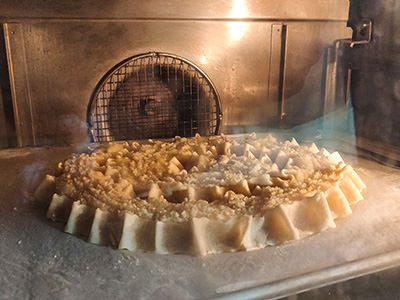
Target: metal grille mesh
{"type": "Point", "coordinates": [153, 96]}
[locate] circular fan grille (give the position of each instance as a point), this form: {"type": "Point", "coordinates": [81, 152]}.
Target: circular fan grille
{"type": "Point", "coordinates": [154, 95]}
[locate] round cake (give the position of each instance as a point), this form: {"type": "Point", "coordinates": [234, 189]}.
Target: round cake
{"type": "Point", "coordinates": [201, 195]}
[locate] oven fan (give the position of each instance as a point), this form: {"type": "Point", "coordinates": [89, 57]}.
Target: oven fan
{"type": "Point", "coordinates": [153, 95]}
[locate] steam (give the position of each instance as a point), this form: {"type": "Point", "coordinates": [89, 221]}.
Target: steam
{"type": "Point", "coordinates": [72, 123]}
{"type": "Point", "coordinates": [334, 131]}
{"type": "Point", "coordinates": [33, 174]}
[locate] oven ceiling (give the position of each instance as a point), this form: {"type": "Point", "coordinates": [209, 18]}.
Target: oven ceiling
{"type": "Point", "coordinates": [333, 10]}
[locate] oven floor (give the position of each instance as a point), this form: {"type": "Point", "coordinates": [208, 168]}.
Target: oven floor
{"type": "Point", "coordinates": [39, 261]}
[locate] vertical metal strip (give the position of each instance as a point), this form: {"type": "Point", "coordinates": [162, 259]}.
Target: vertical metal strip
{"type": "Point", "coordinates": [348, 86]}
{"type": "Point", "coordinates": [330, 81]}
{"type": "Point", "coordinates": [21, 97]}
{"type": "Point", "coordinates": [17, 118]}
{"type": "Point", "coordinates": [276, 79]}
{"type": "Point", "coordinates": [282, 79]}
{"type": "Point", "coordinates": [337, 77]}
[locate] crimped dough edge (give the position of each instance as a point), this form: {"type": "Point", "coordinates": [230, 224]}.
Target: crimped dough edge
{"type": "Point", "coordinates": [202, 235]}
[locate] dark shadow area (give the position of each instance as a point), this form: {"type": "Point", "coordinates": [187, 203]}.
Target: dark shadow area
{"type": "Point", "coordinates": [5, 97]}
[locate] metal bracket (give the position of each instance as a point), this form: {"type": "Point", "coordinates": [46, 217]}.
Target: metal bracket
{"type": "Point", "coordinates": [362, 33]}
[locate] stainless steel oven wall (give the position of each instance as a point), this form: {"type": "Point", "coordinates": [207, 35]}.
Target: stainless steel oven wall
{"type": "Point", "coordinates": [266, 58]}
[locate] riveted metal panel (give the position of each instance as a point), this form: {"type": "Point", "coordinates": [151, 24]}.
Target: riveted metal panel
{"type": "Point", "coordinates": [57, 56]}
{"type": "Point", "coordinates": [61, 64]}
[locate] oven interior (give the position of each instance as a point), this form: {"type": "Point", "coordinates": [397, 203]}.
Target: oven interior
{"type": "Point", "coordinates": [73, 74]}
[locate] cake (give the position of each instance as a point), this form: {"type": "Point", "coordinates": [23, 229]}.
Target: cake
{"type": "Point", "coordinates": [201, 195]}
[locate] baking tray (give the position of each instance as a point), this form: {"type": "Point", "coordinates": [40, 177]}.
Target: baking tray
{"type": "Point", "coordinates": [39, 261]}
